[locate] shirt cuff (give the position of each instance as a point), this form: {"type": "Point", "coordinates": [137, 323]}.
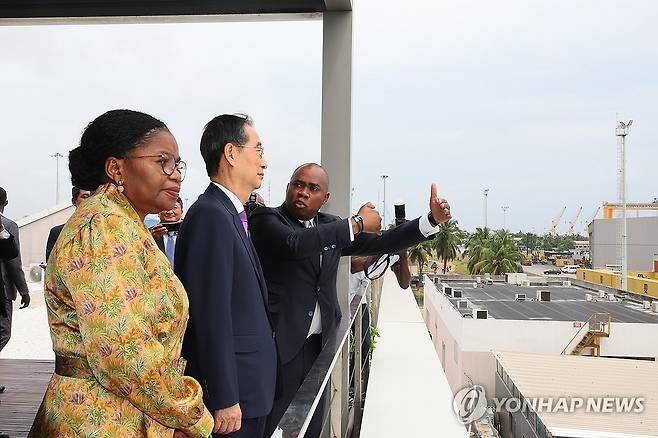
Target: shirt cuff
{"type": "Point", "coordinates": [425, 228]}
{"type": "Point", "coordinates": [349, 223]}
{"type": "Point", "coordinates": [4, 234]}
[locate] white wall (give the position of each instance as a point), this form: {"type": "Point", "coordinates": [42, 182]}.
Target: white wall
{"type": "Point", "coordinates": [631, 340]}
{"type": "Point", "coordinates": [469, 342]}
{"type": "Point", "coordinates": [34, 234]}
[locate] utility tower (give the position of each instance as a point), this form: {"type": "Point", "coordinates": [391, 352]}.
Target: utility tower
{"type": "Point", "coordinates": [621, 132]}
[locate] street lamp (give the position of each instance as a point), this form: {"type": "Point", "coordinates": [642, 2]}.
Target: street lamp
{"type": "Point", "coordinates": [621, 132]}
{"type": "Point", "coordinates": [505, 208]}
{"type": "Point", "coordinates": [486, 192]}
{"type": "Point", "coordinates": [57, 156]}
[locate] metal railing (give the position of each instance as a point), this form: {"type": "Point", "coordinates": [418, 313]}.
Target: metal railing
{"type": "Point", "coordinates": [597, 322]}
{"type": "Point", "coordinates": [336, 374]}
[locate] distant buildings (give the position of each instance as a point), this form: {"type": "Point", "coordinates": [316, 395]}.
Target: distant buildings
{"type": "Point", "coordinates": [604, 237]}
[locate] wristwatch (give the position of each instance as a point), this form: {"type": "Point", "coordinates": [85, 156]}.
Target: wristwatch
{"type": "Point", "coordinates": [359, 221]}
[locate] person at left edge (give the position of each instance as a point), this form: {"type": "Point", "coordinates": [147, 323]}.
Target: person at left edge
{"type": "Point", "coordinates": [229, 342]}
{"type": "Point", "coordinates": [8, 248]}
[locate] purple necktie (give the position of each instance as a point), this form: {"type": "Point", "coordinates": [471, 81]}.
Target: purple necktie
{"type": "Point", "coordinates": [243, 219]}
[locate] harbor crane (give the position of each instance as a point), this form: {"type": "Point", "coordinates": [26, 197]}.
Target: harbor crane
{"type": "Point", "coordinates": [591, 219]}
{"type": "Point", "coordinates": [572, 223]}
{"type": "Point", "coordinates": [556, 221]}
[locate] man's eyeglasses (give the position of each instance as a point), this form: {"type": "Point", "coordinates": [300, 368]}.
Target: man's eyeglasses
{"type": "Point", "coordinates": [168, 163]}
{"type": "Point", "coordinates": [260, 149]}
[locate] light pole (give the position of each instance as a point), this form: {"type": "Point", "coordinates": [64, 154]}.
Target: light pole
{"type": "Point", "coordinates": [57, 156]}
{"type": "Point", "coordinates": [621, 132]}
{"type": "Point", "coordinates": [384, 177]}
{"type": "Point", "coordinates": [505, 208]}
{"type": "Point", "coordinates": [486, 192]}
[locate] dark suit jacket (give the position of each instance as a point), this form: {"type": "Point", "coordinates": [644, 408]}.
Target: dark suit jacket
{"type": "Point", "coordinates": [52, 238]}
{"type": "Point", "coordinates": [290, 255]}
{"type": "Point", "coordinates": [160, 242]}
{"type": "Point", "coordinates": [13, 277]}
{"type": "Point", "coordinates": [229, 342]}
{"type": "Point", "coordinates": [8, 249]}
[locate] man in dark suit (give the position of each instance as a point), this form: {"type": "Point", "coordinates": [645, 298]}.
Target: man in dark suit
{"type": "Point", "coordinates": [8, 248]}
{"type": "Point", "coordinates": [299, 249]}
{"type": "Point", "coordinates": [77, 196]}
{"type": "Point", "coordinates": [12, 279]}
{"type": "Point", "coordinates": [229, 343]}
{"type": "Point", "coordinates": [165, 238]}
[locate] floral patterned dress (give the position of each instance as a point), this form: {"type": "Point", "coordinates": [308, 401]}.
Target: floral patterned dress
{"type": "Point", "coordinates": [117, 315]}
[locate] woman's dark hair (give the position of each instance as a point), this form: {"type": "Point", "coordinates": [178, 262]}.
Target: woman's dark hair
{"type": "Point", "coordinates": [112, 134]}
{"type": "Point", "coordinates": [227, 128]}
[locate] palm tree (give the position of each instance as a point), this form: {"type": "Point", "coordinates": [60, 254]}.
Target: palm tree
{"type": "Point", "coordinates": [447, 241]}
{"type": "Point", "coordinates": [475, 243]}
{"type": "Point", "coordinates": [500, 255]}
{"type": "Point", "coordinates": [419, 254]}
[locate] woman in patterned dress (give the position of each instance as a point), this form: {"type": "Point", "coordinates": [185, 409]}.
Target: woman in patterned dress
{"type": "Point", "coordinates": [117, 313]}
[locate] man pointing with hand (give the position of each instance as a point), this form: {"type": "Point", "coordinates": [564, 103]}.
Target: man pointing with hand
{"type": "Point", "coordinates": [299, 249]}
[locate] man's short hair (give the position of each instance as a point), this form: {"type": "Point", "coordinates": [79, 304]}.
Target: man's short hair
{"type": "Point", "coordinates": [227, 128]}
{"type": "Point", "coordinates": [3, 197]}
{"type": "Point", "coordinates": [180, 202]}
{"type": "Point", "coordinates": [75, 192]}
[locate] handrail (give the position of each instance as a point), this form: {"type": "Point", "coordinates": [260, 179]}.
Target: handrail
{"type": "Point", "coordinates": [297, 417]}
{"type": "Point", "coordinates": [592, 321]}
{"type": "Point", "coordinates": [574, 336]}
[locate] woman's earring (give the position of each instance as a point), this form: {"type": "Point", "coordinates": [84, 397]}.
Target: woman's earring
{"type": "Point", "coordinates": [120, 186]}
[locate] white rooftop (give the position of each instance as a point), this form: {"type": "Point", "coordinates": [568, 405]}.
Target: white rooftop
{"type": "Point", "coordinates": [540, 375]}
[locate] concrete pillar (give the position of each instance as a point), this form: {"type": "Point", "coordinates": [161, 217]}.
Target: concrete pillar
{"type": "Point", "coordinates": [336, 159]}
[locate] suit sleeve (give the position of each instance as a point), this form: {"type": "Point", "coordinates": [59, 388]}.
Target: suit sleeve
{"type": "Point", "coordinates": [204, 261]}
{"type": "Point", "coordinates": [8, 248]}
{"type": "Point", "coordinates": [52, 238]}
{"type": "Point", "coordinates": [105, 280]}
{"type": "Point", "coordinates": [15, 265]}
{"type": "Point", "coordinates": [401, 237]}
{"type": "Point", "coordinates": [272, 234]}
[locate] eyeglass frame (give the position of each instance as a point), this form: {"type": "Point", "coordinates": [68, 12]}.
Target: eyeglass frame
{"type": "Point", "coordinates": [162, 163]}
{"type": "Point", "coordinates": [260, 149]}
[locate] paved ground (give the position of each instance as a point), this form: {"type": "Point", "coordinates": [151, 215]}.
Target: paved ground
{"type": "Point", "coordinates": [539, 270]}
{"type": "Point", "coordinates": [30, 335]}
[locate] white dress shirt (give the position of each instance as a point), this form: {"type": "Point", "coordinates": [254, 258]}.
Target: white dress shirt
{"type": "Point", "coordinates": [232, 196]}
{"type": "Point", "coordinates": [165, 239]}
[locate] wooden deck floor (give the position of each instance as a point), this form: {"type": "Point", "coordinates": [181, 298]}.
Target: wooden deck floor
{"type": "Point", "coordinates": [25, 382]}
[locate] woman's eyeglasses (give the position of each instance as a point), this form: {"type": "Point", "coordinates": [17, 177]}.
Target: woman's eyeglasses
{"type": "Point", "coordinates": [168, 163]}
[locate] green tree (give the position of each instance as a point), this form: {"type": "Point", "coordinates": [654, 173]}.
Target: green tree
{"type": "Point", "coordinates": [447, 241]}
{"type": "Point", "coordinates": [475, 243]}
{"type": "Point", "coordinates": [500, 255]}
{"type": "Point", "coordinates": [419, 255]}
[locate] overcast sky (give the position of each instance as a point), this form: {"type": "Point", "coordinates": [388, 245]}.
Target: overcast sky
{"type": "Point", "coordinates": [517, 96]}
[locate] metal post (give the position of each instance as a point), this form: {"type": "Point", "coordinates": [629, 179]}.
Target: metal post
{"type": "Point", "coordinates": [505, 208]}
{"type": "Point", "coordinates": [621, 132]}
{"type": "Point", "coordinates": [358, 354]}
{"type": "Point", "coordinates": [384, 178]}
{"type": "Point", "coordinates": [486, 192]}
{"type": "Point", "coordinates": [336, 138]}
{"type": "Point", "coordinates": [57, 155]}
